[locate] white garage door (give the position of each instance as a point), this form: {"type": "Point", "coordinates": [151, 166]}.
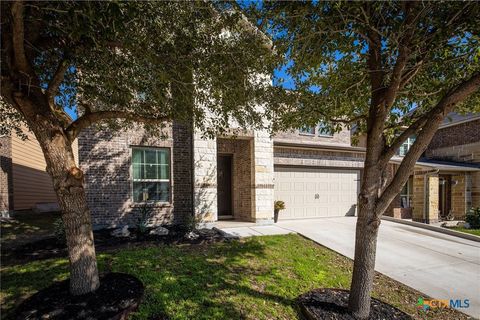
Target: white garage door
{"type": "Point", "coordinates": [313, 193]}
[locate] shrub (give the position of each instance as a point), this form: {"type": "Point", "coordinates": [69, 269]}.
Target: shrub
{"type": "Point", "coordinates": [473, 218]}
{"type": "Point", "coordinates": [279, 205]}
{"type": "Point", "coordinates": [190, 223]}
{"type": "Point", "coordinates": [59, 230]}
{"type": "Point", "coordinates": [143, 227]}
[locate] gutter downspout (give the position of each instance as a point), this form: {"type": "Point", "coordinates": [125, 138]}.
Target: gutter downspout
{"type": "Point", "coordinates": [426, 195]}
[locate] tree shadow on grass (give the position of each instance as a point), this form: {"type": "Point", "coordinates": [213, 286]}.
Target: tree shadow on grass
{"type": "Point", "coordinates": [182, 282]}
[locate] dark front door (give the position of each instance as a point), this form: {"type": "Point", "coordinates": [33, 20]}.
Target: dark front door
{"type": "Point", "coordinates": [445, 195]}
{"type": "Point", "coordinates": [224, 185]}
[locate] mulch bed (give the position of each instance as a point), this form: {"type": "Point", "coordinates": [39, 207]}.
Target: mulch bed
{"type": "Point", "coordinates": [118, 295]}
{"type": "Point", "coordinates": [326, 304]}
{"type": "Point", "coordinates": [52, 248]}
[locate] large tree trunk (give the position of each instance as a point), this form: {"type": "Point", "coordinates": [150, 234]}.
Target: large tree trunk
{"type": "Point", "coordinates": [366, 233]}
{"type": "Point", "coordinates": [68, 184]}
{"type": "Point", "coordinates": [364, 263]}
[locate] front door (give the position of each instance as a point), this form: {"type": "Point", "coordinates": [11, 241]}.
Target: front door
{"type": "Point", "coordinates": [224, 186]}
{"type": "Point", "coordinates": [445, 195]}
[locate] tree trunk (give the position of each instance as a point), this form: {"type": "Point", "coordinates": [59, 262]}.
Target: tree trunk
{"type": "Point", "coordinates": [364, 262]}
{"type": "Point", "coordinates": [368, 222]}
{"type": "Point", "coordinates": [68, 184]}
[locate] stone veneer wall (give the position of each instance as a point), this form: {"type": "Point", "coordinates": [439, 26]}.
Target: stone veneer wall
{"type": "Point", "coordinates": [205, 178]}
{"type": "Point", "coordinates": [459, 196]}
{"type": "Point", "coordinates": [475, 189]}
{"type": "Point", "coordinates": [462, 153]}
{"type": "Point", "coordinates": [6, 179]}
{"type": "Point", "coordinates": [338, 138]}
{"type": "Point", "coordinates": [242, 175]}
{"type": "Point", "coordinates": [316, 157]}
{"type": "Point", "coordinates": [262, 178]}
{"type": "Point", "coordinates": [105, 158]}
{"type": "Point", "coordinates": [419, 197]}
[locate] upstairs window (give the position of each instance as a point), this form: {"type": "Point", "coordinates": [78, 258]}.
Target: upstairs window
{"type": "Point", "coordinates": [406, 146]}
{"type": "Point", "coordinates": [324, 130]}
{"type": "Point", "coordinates": [307, 130]}
{"type": "Point", "coordinates": [151, 174]}
{"type": "Point", "coordinates": [321, 130]}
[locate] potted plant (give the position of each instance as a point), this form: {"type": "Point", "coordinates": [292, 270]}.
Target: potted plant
{"type": "Point", "coordinates": [278, 205]}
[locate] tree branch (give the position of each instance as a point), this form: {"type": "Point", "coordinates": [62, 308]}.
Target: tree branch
{"type": "Point", "coordinates": [18, 38]}
{"type": "Point", "coordinates": [55, 82]}
{"type": "Point", "coordinates": [432, 121]}
{"type": "Point", "coordinates": [403, 55]}
{"type": "Point", "coordinates": [89, 118]}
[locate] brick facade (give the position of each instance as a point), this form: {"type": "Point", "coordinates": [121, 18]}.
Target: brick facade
{"type": "Point", "coordinates": [241, 150]}
{"type": "Point", "coordinates": [455, 135]}
{"type": "Point", "coordinates": [105, 159]}
{"type": "Point", "coordinates": [6, 179]}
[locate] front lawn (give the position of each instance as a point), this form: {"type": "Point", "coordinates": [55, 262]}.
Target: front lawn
{"type": "Point", "coordinates": [256, 278]}
{"type": "Point", "coordinates": [475, 232]}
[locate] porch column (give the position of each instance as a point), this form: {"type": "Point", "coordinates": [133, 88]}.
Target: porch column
{"type": "Point", "coordinates": [459, 196]}
{"type": "Point", "coordinates": [205, 178]}
{"type": "Point", "coordinates": [425, 197]}
{"type": "Point", "coordinates": [262, 178]}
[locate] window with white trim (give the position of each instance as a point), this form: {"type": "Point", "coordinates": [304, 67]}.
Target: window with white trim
{"type": "Point", "coordinates": [307, 130]}
{"type": "Point", "coordinates": [406, 146]}
{"type": "Point", "coordinates": [324, 130]}
{"type": "Point", "coordinates": [406, 195]}
{"type": "Point", "coordinates": [151, 174]}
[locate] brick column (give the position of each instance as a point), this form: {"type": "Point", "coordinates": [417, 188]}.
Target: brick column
{"type": "Point", "coordinates": [6, 179]}
{"type": "Point", "coordinates": [205, 177]}
{"type": "Point", "coordinates": [262, 178]}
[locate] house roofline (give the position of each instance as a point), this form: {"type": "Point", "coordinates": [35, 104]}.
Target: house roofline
{"type": "Point", "coordinates": [441, 165]}
{"type": "Point", "coordinates": [453, 123]}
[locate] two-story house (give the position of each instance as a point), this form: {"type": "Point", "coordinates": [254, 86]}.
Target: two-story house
{"type": "Point", "coordinates": [446, 180]}
{"type": "Point", "coordinates": [314, 171]}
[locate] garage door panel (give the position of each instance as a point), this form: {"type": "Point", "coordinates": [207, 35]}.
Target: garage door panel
{"type": "Point", "coordinates": [316, 192]}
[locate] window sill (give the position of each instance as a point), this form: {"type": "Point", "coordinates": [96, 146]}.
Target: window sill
{"type": "Point", "coordinates": [324, 136]}
{"type": "Point", "coordinates": [151, 204]}
{"type": "Point", "coordinates": [306, 134]}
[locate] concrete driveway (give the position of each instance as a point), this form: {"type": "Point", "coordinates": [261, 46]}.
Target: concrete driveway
{"type": "Point", "coordinates": [439, 265]}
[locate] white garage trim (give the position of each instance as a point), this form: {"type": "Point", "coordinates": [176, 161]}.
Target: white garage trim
{"type": "Point", "coordinates": [316, 192]}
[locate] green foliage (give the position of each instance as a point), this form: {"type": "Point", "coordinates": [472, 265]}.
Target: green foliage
{"type": "Point", "coordinates": [325, 46]}
{"type": "Point", "coordinates": [59, 230]}
{"type": "Point", "coordinates": [143, 220]}
{"type": "Point", "coordinates": [279, 205]}
{"type": "Point", "coordinates": [473, 218]}
{"type": "Point", "coordinates": [190, 223]}
{"type": "Point", "coordinates": [171, 59]}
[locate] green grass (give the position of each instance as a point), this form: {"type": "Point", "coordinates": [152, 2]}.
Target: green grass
{"type": "Point", "coordinates": [475, 232]}
{"type": "Point", "coordinates": [257, 278]}
{"type": "Point", "coordinates": [27, 226]}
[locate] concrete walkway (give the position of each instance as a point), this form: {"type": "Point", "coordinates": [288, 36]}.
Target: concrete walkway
{"type": "Point", "coordinates": [439, 265]}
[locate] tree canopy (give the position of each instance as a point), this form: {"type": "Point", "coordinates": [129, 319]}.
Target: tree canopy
{"type": "Point", "coordinates": [327, 49]}
{"type": "Point", "coordinates": [134, 61]}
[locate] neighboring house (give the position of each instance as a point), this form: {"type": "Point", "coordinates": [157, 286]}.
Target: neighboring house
{"type": "Point", "coordinates": [315, 172]}
{"type": "Point", "coordinates": [25, 185]}
{"type": "Point", "coordinates": [446, 180]}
